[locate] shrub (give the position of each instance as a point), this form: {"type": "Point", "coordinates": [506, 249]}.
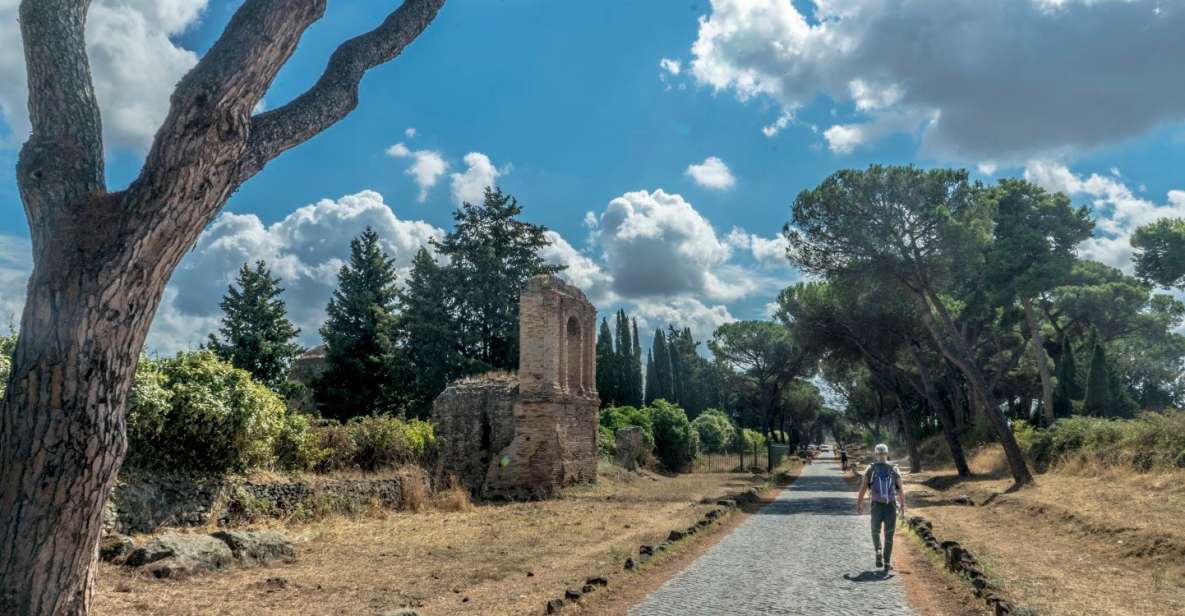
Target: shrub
{"type": "Point", "coordinates": [606, 442]}
{"type": "Point", "coordinates": [1149, 441]}
{"type": "Point", "coordinates": [715, 430]}
{"type": "Point", "coordinates": [334, 439]}
{"type": "Point", "coordinates": [195, 412]}
{"type": "Point", "coordinates": [298, 446]}
{"type": "Point", "coordinates": [752, 439]}
{"type": "Point", "coordinates": [384, 440]}
{"type": "Point", "coordinates": [617, 417]}
{"type": "Point", "coordinates": [675, 442]}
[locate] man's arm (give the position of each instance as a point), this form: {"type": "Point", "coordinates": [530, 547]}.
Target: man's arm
{"type": "Point", "coordinates": [860, 494]}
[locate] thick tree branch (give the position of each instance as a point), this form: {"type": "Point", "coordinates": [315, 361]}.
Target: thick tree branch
{"type": "Point", "coordinates": [336, 92]}
{"type": "Point", "coordinates": [62, 160]}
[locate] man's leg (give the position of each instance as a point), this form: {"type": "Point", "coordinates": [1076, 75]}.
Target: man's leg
{"type": "Point", "coordinates": [890, 519]}
{"type": "Point", "coordinates": [877, 514]}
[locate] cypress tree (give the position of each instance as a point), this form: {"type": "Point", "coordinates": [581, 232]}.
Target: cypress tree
{"type": "Point", "coordinates": [625, 358]}
{"type": "Point", "coordinates": [606, 384]}
{"type": "Point", "coordinates": [359, 335]}
{"type": "Point", "coordinates": [1067, 381]}
{"type": "Point", "coordinates": [256, 334]}
{"type": "Point", "coordinates": [1098, 385]}
{"type": "Point", "coordinates": [636, 369]}
{"type": "Point", "coordinates": [663, 387]}
{"type": "Point", "coordinates": [651, 380]}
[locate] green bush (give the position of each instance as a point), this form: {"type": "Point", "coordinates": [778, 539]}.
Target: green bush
{"type": "Point", "coordinates": [676, 444]}
{"type": "Point", "coordinates": [384, 440]}
{"type": "Point", "coordinates": [715, 430]}
{"type": "Point", "coordinates": [298, 446]}
{"type": "Point", "coordinates": [752, 439]}
{"type": "Point", "coordinates": [334, 439]}
{"type": "Point", "coordinates": [617, 417]}
{"type": "Point", "coordinates": [1147, 442]}
{"type": "Point", "coordinates": [195, 412]}
{"type": "Point", "coordinates": [606, 442]}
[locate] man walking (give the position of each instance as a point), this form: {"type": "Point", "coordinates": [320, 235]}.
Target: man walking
{"type": "Point", "coordinates": [883, 480]}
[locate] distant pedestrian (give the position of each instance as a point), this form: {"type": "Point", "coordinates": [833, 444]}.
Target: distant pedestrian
{"type": "Point", "coordinates": [883, 480]}
{"type": "Point", "coordinates": [843, 460]}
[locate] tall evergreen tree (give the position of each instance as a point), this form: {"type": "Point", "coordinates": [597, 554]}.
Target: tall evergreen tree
{"type": "Point", "coordinates": [651, 380]}
{"type": "Point", "coordinates": [256, 334]}
{"type": "Point", "coordinates": [625, 358]}
{"type": "Point", "coordinates": [1098, 381]}
{"type": "Point", "coordinates": [359, 334]}
{"type": "Point", "coordinates": [427, 334]}
{"type": "Point", "coordinates": [606, 356]}
{"type": "Point", "coordinates": [1068, 388]}
{"type": "Point", "coordinates": [636, 368]}
{"type": "Point", "coordinates": [491, 256]}
{"type": "Point", "coordinates": [663, 387]}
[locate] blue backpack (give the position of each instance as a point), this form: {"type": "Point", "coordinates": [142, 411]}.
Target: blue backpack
{"type": "Point", "coordinates": [882, 482]}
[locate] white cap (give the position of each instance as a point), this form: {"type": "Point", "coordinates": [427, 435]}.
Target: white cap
{"type": "Point", "coordinates": [882, 448]}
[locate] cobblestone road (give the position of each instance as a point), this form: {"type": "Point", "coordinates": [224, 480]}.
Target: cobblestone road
{"type": "Point", "coordinates": [805, 553]}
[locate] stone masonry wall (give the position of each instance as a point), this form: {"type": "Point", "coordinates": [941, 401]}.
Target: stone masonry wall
{"type": "Point", "coordinates": [474, 420]}
{"type": "Point", "coordinates": [552, 439]}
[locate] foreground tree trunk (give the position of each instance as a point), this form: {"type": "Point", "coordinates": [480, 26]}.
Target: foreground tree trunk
{"type": "Point", "coordinates": [1042, 360]}
{"type": "Point", "coordinates": [945, 416]}
{"type": "Point", "coordinates": [102, 260]}
{"type": "Point", "coordinates": [954, 348]}
{"type": "Point", "coordinates": [905, 417]}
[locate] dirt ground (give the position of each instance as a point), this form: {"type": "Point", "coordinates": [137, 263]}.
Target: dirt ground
{"type": "Point", "coordinates": [1085, 539]}
{"type": "Point", "coordinates": [491, 560]}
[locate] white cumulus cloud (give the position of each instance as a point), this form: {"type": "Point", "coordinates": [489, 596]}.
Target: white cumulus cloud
{"type": "Point", "coordinates": [134, 64]}
{"type": "Point", "coordinates": [480, 173]}
{"type": "Point", "coordinates": [304, 249]}
{"type": "Point", "coordinates": [426, 166]}
{"type": "Point", "coordinates": [1005, 80]}
{"type": "Point", "coordinates": [712, 173]}
{"type": "Point", "coordinates": [1117, 210]}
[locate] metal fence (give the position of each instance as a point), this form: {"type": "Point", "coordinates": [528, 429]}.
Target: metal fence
{"type": "Point", "coordinates": [730, 462]}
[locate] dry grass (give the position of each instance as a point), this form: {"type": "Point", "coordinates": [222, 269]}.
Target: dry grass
{"type": "Point", "coordinates": [1086, 539]}
{"type": "Point", "coordinates": [487, 559]}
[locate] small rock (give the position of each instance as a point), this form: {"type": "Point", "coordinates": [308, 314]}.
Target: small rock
{"type": "Point", "coordinates": [676, 535]}
{"type": "Point", "coordinates": [115, 546]}
{"type": "Point", "coordinates": [464, 599]}
{"type": "Point", "coordinates": [572, 595]}
{"type": "Point", "coordinates": [587, 588]}
{"type": "Point", "coordinates": [530, 574]}
{"type": "Point", "coordinates": [180, 553]}
{"type": "Point", "coordinates": [554, 606]}
{"type": "Point", "coordinates": [275, 583]}
{"type": "Point", "coordinates": [630, 565]}
{"type": "Point", "coordinates": [597, 581]}
{"type": "Point", "coordinates": [257, 547]}
{"type": "Point", "coordinates": [647, 550]}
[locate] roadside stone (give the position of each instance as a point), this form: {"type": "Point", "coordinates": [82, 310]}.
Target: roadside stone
{"type": "Point", "coordinates": [587, 588]}
{"type": "Point", "coordinates": [554, 606]}
{"type": "Point", "coordinates": [114, 546]}
{"type": "Point", "coordinates": [597, 581]}
{"type": "Point", "coordinates": [572, 595]}
{"type": "Point", "coordinates": [676, 535]}
{"type": "Point", "coordinates": [727, 502]}
{"type": "Point", "coordinates": [257, 547]}
{"type": "Point", "coordinates": [630, 565]}
{"type": "Point", "coordinates": [183, 554]}
{"type": "Point", "coordinates": [647, 550]}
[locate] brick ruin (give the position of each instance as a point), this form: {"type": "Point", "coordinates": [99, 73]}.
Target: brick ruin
{"type": "Point", "coordinates": [525, 435]}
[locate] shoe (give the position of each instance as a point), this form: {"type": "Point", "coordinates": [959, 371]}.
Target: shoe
{"type": "Point", "coordinates": [879, 562]}
{"type": "Point", "coordinates": [887, 566]}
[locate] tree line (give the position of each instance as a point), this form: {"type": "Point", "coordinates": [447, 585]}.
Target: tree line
{"type": "Point", "coordinates": [942, 302]}
{"type": "Point", "coordinates": [391, 348]}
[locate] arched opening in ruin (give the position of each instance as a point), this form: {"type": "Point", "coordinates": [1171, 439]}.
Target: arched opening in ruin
{"type": "Point", "coordinates": [574, 347]}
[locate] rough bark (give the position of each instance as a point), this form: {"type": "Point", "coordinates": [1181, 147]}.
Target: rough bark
{"type": "Point", "coordinates": [101, 260]}
{"type": "Point", "coordinates": [955, 349]}
{"type": "Point", "coordinates": [1041, 358]}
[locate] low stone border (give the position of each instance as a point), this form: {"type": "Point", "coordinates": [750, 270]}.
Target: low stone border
{"type": "Point", "coordinates": [964, 564]}
{"type": "Point", "coordinates": [723, 507]}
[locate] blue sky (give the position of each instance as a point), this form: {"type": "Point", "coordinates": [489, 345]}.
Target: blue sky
{"type": "Point", "coordinates": [566, 106]}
